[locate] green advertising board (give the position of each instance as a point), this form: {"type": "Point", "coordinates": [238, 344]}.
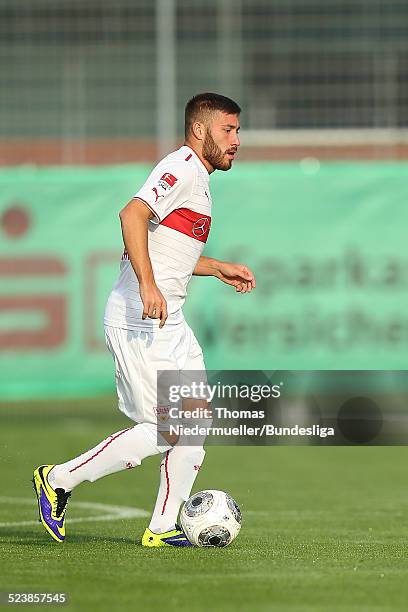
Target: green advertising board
{"type": "Point", "coordinates": [327, 244]}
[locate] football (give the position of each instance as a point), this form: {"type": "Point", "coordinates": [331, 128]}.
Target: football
{"type": "Point", "coordinates": [211, 518]}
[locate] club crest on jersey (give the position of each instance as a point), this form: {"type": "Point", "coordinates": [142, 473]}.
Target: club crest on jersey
{"type": "Point", "coordinates": [162, 413]}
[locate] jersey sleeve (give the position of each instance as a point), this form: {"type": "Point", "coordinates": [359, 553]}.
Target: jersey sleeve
{"type": "Point", "coordinates": [168, 187]}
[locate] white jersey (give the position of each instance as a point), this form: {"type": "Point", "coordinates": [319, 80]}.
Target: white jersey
{"type": "Point", "coordinates": [177, 192]}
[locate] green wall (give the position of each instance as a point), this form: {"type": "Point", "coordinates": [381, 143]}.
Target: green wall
{"type": "Point", "coordinates": [328, 245]}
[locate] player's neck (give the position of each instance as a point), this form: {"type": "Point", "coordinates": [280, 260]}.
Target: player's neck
{"type": "Point", "coordinates": [205, 163]}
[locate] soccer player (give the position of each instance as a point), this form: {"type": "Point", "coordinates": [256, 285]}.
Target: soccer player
{"type": "Point", "coordinates": [165, 227]}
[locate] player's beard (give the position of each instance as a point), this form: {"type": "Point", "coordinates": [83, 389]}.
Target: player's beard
{"type": "Point", "coordinates": [214, 155]}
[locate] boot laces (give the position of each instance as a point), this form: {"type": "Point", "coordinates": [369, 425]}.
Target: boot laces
{"type": "Point", "coordinates": [62, 500]}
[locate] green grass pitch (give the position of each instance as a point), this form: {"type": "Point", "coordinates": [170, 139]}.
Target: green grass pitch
{"type": "Point", "coordinates": [324, 529]}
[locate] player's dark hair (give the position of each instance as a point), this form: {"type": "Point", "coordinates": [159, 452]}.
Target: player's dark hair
{"type": "Point", "coordinates": [203, 104]}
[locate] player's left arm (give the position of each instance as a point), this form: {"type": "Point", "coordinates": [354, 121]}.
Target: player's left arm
{"type": "Point", "coordinates": [236, 275]}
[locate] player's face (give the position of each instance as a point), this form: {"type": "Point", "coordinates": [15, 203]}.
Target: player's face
{"type": "Point", "coordinates": [221, 141]}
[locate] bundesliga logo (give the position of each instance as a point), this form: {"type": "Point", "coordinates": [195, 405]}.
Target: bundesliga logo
{"type": "Point", "coordinates": [167, 181]}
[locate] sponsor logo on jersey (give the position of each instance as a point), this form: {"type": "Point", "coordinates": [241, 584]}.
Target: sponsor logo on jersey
{"type": "Point", "coordinates": [201, 227]}
{"type": "Point", "coordinates": [189, 222]}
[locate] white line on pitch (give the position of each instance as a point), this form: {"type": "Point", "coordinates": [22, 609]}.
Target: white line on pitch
{"type": "Point", "coordinates": [113, 512]}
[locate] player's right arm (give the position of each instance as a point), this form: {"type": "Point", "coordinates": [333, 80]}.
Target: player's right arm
{"type": "Point", "coordinates": [134, 218]}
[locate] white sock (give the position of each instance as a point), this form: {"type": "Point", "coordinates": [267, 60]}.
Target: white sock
{"type": "Point", "coordinates": [178, 471]}
{"type": "Point", "coordinates": [122, 450]}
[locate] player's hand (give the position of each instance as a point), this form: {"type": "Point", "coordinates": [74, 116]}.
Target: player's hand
{"type": "Point", "coordinates": [154, 304]}
{"type": "Point", "coordinates": [237, 275]}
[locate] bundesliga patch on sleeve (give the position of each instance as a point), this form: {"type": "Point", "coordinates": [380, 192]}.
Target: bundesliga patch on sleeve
{"type": "Point", "coordinates": [164, 184]}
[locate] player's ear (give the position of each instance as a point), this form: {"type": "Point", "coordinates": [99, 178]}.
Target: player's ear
{"type": "Point", "coordinates": [198, 130]}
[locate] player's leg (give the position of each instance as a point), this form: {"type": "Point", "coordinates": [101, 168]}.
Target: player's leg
{"type": "Point", "coordinates": [122, 450]}
{"type": "Point", "coordinates": [180, 464]}
{"type": "Point", "coordinates": [178, 471]}
{"type": "Point", "coordinates": [126, 448]}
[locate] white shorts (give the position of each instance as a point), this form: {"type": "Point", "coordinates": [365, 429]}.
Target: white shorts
{"type": "Point", "coordinates": [140, 354]}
